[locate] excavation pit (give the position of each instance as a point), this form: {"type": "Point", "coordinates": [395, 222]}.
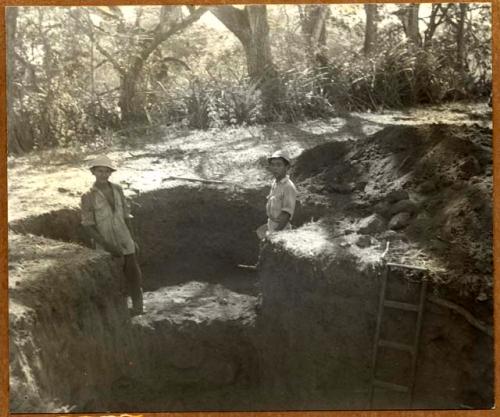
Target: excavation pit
{"type": "Point", "coordinates": [296, 335]}
{"type": "Point", "coordinates": [192, 350]}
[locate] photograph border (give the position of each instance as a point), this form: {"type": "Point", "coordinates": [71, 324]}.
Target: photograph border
{"type": "Point", "coordinates": [4, 354]}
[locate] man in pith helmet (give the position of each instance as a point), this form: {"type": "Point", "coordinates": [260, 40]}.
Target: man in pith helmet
{"type": "Point", "coordinates": [282, 197]}
{"type": "Point", "coordinates": [106, 218]}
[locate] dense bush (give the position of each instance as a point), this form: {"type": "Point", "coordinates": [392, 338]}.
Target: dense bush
{"type": "Point", "coordinates": [66, 90]}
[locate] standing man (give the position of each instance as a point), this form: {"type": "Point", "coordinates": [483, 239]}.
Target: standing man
{"type": "Point", "coordinates": [281, 199]}
{"type": "Point", "coordinates": [106, 219]}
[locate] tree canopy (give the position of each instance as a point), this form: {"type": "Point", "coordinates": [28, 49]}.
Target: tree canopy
{"type": "Point", "coordinates": [77, 72]}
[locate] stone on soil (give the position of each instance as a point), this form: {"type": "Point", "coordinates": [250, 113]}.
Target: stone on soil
{"type": "Point", "coordinates": [399, 221]}
{"type": "Point", "coordinates": [406, 206]}
{"type": "Point", "coordinates": [397, 195]}
{"type": "Point", "coordinates": [371, 224]}
{"type": "Point", "coordinates": [364, 241]}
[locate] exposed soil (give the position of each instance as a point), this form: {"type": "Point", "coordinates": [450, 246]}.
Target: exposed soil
{"type": "Point", "coordinates": [296, 335]}
{"type": "Point", "coordinates": [425, 189]}
{"type": "Point", "coordinates": [54, 180]}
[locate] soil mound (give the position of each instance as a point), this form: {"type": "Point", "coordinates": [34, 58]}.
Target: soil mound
{"type": "Point", "coordinates": [427, 189]}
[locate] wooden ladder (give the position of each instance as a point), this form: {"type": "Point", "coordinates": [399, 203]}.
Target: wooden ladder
{"type": "Point", "coordinates": [412, 349]}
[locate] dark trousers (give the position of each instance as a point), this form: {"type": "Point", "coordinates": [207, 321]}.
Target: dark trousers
{"type": "Point", "coordinates": [133, 281]}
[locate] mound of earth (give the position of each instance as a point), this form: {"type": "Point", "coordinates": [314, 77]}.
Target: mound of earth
{"type": "Point", "coordinates": [427, 190]}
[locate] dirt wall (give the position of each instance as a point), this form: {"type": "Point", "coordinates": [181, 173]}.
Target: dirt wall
{"type": "Point", "coordinates": [317, 325]}
{"type": "Point", "coordinates": [181, 230]}
{"type": "Point", "coordinates": [69, 331]}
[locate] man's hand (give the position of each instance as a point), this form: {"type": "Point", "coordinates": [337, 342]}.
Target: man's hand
{"type": "Point", "coordinates": [137, 248]}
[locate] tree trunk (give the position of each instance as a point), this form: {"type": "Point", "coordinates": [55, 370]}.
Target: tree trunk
{"type": "Point", "coordinates": [131, 105]}
{"type": "Point", "coordinates": [313, 25]}
{"type": "Point", "coordinates": [371, 11]}
{"type": "Point", "coordinates": [250, 26]}
{"type": "Point", "coordinates": [409, 18]}
{"type": "Point", "coordinates": [19, 135]}
{"type": "Point", "coordinates": [171, 22]}
{"type": "Point", "coordinates": [413, 31]}
{"type": "Point", "coordinates": [461, 64]}
{"type": "Point", "coordinates": [257, 46]}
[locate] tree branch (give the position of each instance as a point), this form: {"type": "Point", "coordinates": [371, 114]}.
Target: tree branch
{"type": "Point", "coordinates": [103, 12]}
{"type": "Point", "coordinates": [235, 20]}
{"type": "Point", "coordinates": [161, 35]}
{"type": "Point", "coordinates": [110, 58]}
{"type": "Point", "coordinates": [105, 53]}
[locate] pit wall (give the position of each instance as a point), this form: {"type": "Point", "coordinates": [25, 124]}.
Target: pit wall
{"type": "Point", "coordinates": [68, 322]}
{"type": "Point", "coordinates": [181, 229]}
{"type": "Point", "coordinates": [317, 325]}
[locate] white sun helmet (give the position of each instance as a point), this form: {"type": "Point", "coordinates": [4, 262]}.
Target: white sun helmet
{"type": "Point", "coordinates": [102, 161]}
{"type": "Point", "coordinates": [280, 154]}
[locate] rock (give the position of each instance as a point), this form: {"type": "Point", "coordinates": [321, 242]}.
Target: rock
{"type": "Point", "coordinates": [341, 188]}
{"type": "Point", "coordinates": [371, 224]}
{"type": "Point", "coordinates": [397, 195]}
{"type": "Point", "coordinates": [382, 208]}
{"type": "Point", "coordinates": [390, 235]}
{"type": "Point", "coordinates": [422, 223]}
{"type": "Point", "coordinates": [470, 167]}
{"type": "Point", "coordinates": [406, 206]}
{"type": "Point", "coordinates": [317, 189]}
{"type": "Point", "coordinates": [364, 241]}
{"type": "Point", "coordinates": [427, 187]}
{"type": "Point", "coordinates": [361, 185]}
{"type": "Point", "coordinates": [458, 185]}
{"type": "Point", "coordinates": [399, 221]}
{"type": "Point", "coordinates": [63, 190]}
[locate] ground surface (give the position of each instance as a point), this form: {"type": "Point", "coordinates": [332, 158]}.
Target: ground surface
{"type": "Point", "coordinates": [46, 181]}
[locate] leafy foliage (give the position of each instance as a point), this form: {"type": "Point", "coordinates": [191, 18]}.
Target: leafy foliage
{"type": "Point", "coordinates": [69, 65]}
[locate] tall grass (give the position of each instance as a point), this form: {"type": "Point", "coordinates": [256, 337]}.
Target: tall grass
{"type": "Point", "coordinates": [397, 77]}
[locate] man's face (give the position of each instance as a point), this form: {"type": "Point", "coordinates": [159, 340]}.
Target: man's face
{"type": "Point", "coordinates": [278, 167]}
{"type": "Point", "coordinates": [101, 174]}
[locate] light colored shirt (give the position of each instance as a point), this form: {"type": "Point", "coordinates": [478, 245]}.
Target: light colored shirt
{"type": "Point", "coordinates": [109, 221]}
{"type": "Point", "coordinates": [282, 197]}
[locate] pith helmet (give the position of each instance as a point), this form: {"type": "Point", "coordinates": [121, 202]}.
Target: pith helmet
{"type": "Point", "coordinates": [102, 161]}
{"type": "Point", "coordinates": [280, 154]}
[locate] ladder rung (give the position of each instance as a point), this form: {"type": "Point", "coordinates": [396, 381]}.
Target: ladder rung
{"type": "Point", "coordinates": [400, 305]}
{"type": "Point", "coordinates": [396, 345]}
{"type": "Point", "coordinates": [418, 268]}
{"type": "Point", "coordinates": [389, 385]}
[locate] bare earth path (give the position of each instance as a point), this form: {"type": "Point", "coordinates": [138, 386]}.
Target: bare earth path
{"type": "Point", "coordinates": [40, 182]}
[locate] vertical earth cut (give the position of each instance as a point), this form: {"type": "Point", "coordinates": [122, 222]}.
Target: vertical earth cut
{"type": "Point", "coordinates": [320, 298]}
